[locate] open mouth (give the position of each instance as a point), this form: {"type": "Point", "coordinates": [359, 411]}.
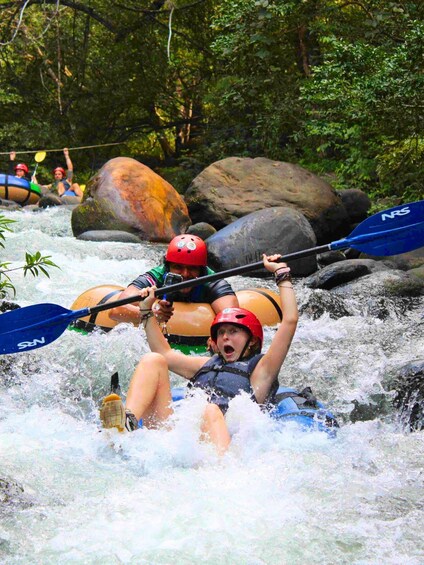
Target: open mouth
{"type": "Point", "coordinates": [228, 349]}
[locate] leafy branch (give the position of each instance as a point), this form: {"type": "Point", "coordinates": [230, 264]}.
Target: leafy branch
{"type": "Point", "coordinates": [35, 264]}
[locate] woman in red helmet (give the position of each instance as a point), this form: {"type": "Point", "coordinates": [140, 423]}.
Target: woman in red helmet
{"type": "Point", "coordinates": [238, 366]}
{"type": "Point", "coordinates": [62, 184]}
{"type": "Point", "coordinates": [186, 257]}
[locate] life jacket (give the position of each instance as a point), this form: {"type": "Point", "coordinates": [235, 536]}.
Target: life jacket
{"type": "Point", "coordinates": [54, 186]}
{"type": "Point", "coordinates": [223, 381]}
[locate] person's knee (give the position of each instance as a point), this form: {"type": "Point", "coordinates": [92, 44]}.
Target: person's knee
{"type": "Point", "coordinates": [155, 359]}
{"type": "Point", "coordinates": [213, 414]}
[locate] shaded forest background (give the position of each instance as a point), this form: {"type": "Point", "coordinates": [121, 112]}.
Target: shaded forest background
{"type": "Point", "coordinates": [334, 86]}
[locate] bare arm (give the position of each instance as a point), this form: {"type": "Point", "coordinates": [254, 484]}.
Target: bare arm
{"type": "Point", "coordinates": [69, 164]}
{"type": "Point", "coordinates": [130, 312]}
{"type": "Point", "coordinates": [228, 301]}
{"type": "Point", "coordinates": [12, 157]}
{"type": "Point", "coordinates": [269, 366]}
{"type": "Point", "coordinates": [183, 365]}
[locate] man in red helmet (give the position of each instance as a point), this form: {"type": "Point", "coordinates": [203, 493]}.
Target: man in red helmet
{"type": "Point", "coordinates": [186, 256]}
{"type": "Point", "coordinates": [19, 170]}
{"type": "Point", "coordinates": [237, 366]}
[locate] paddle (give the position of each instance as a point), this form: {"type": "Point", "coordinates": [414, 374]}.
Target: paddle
{"type": "Point", "coordinates": [391, 232]}
{"type": "Point", "coordinates": [38, 157]}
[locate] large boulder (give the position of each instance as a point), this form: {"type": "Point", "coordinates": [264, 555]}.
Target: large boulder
{"type": "Point", "coordinates": [357, 204]}
{"type": "Point", "coordinates": [273, 230]}
{"type": "Point", "coordinates": [234, 187]}
{"type": "Point", "coordinates": [342, 272]}
{"type": "Point", "coordinates": [128, 196]}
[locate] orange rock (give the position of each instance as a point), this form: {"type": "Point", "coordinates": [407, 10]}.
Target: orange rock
{"type": "Point", "coordinates": [140, 199]}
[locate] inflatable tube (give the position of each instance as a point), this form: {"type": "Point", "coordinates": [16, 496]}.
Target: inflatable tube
{"type": "Point", "coordinates": [19, 190]}
{"type": "Point", "coordinates": [299, 407]}
{"type": "Point", "coordinates": [190, 323]}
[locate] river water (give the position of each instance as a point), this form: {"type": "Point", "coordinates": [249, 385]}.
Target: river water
{"type": "Point", "coordinates": [161, 497]}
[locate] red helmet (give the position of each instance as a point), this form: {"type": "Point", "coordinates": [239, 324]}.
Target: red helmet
{"type": "Point", "coordinates": [187, 249]}
{"type": "Point", "coordinates": [61, 170]}
{"type": "Point", "coordinates": [239, 317]}
{"type": "Point", "coordinates": [22, 167]}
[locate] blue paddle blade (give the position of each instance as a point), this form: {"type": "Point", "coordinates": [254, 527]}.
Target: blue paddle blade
{"type": "Point", "coordinates": [34, 326]}
{"type": "Point", "coordinates": [391, 232]}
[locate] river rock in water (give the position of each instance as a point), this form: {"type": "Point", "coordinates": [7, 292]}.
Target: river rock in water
{"type": "Point", "coordinates": [409, 399]}
{"type": "Point", "coordinates": [202, 230]}
{"type": "Point", "coordinates": [383, 294]}
{"type": "Point", "coordinates": [109, 235]}
{"type": "Point", "coordinates": [49, 200]}
{"type": "Point", "coordinates": [13, 496]}
{"type": "Point", "coordinates": [322, 302]}
{"type": "Point", "coordinates": [342, 272]}
{"type": "Point", "coordinates": [236, 186]}
{"type": "Point", "coordinates": [272, 230]}
{"type": "Point", "coordinates": [356, 203]}
{"type": "Point", "coordinates": [129, 196]}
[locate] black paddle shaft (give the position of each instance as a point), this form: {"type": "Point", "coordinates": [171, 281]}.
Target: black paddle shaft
{"type": "Point", "coordinates": [210, 278]}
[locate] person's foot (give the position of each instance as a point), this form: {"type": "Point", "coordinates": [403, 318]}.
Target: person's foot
{"type": "Point", "coordinates": [114, 415]}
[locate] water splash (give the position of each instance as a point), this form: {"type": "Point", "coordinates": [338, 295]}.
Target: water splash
{"type": "Point", "coordinates": [279, 496]}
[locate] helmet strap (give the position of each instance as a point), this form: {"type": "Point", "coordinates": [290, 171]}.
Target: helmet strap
{"type": "Point", "coordinates": [245, 348]}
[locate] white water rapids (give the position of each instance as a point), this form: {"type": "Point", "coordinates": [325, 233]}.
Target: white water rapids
{"type": "Point", "coordinates": [278, 497]}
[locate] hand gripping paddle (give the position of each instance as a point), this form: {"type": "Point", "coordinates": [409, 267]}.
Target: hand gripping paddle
{"type": "Point", "coordinates": [390, 232]}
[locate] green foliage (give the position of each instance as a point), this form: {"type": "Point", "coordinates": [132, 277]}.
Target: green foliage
{"type": "Point", "coordinates": [334, 86]}
{"type": "Point", "coordinates": [35, 264]}
{"type": "Point", "coordinates": [364, 107]}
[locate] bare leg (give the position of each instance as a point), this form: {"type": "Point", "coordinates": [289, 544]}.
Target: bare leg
{"type": "Point", "coordinates": [215, 428]}
{"type": "Point", "coordinates": [149, 396]}
{"type": "Point", "coordinates": [77, 189]}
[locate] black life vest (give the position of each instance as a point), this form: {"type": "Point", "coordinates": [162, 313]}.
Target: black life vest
{"type": "Point", "coordinates": [223, 381]}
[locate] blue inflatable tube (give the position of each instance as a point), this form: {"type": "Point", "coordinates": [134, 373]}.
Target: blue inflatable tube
{"type": "Point", "coordinates": [300, 407]}
{"type": "Point", "coordinates": [19, 190]}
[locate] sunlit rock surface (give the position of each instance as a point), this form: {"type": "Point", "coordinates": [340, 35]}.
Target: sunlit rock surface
{"type": "Point", "coordinates": [129, 196]}
{"type": "Point", "coordinates": [236, 186]}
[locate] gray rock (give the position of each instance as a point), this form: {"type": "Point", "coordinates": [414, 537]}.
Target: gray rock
{"type": "Point", "coordinates": [418, 272]}
{"type": "Point", "coordinates": [272, 230]}
{"type": "Point", "coordinates": [234, 187]}
{"type": "Point", "coordinates": [409, 398]}
{"type": "Point", "coordinates": [330, 257]}
{"type": "Point", "coordinates": [6, 306]}
{"type": "Point", "coordinates": [356, 203]}
{"type": "Point", "coordinates": [383, 294]}
{"type": "Point", "coordinates": [343, 272]}
{"type": "Point", "coordinates": [405, 261]}
{"type": "Point", "coordinates": [12, 496]}
{"type": "Point", "coordinates": [50, 200]}
{"type": "Point", "coordinates": [202, 230]}
{"type": "Point", "coordinates": [321, 302]}
{"type": "Point", "coordinates": [109, 235]}
{"type": "Point", "coordinates": [9, 204]}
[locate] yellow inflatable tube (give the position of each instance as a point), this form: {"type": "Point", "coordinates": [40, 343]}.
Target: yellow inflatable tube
{"type": "Point", "coordinates": [190, 323]}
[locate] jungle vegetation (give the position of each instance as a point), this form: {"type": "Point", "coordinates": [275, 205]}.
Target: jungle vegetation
{"type": "Point", "coordinates": [333, 85]}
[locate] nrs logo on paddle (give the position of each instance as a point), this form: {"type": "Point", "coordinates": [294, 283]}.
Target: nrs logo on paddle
{"type": "Point", "coordinates": [392, 215]}
{"type": "Point", "coordinates": [33, 343]}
